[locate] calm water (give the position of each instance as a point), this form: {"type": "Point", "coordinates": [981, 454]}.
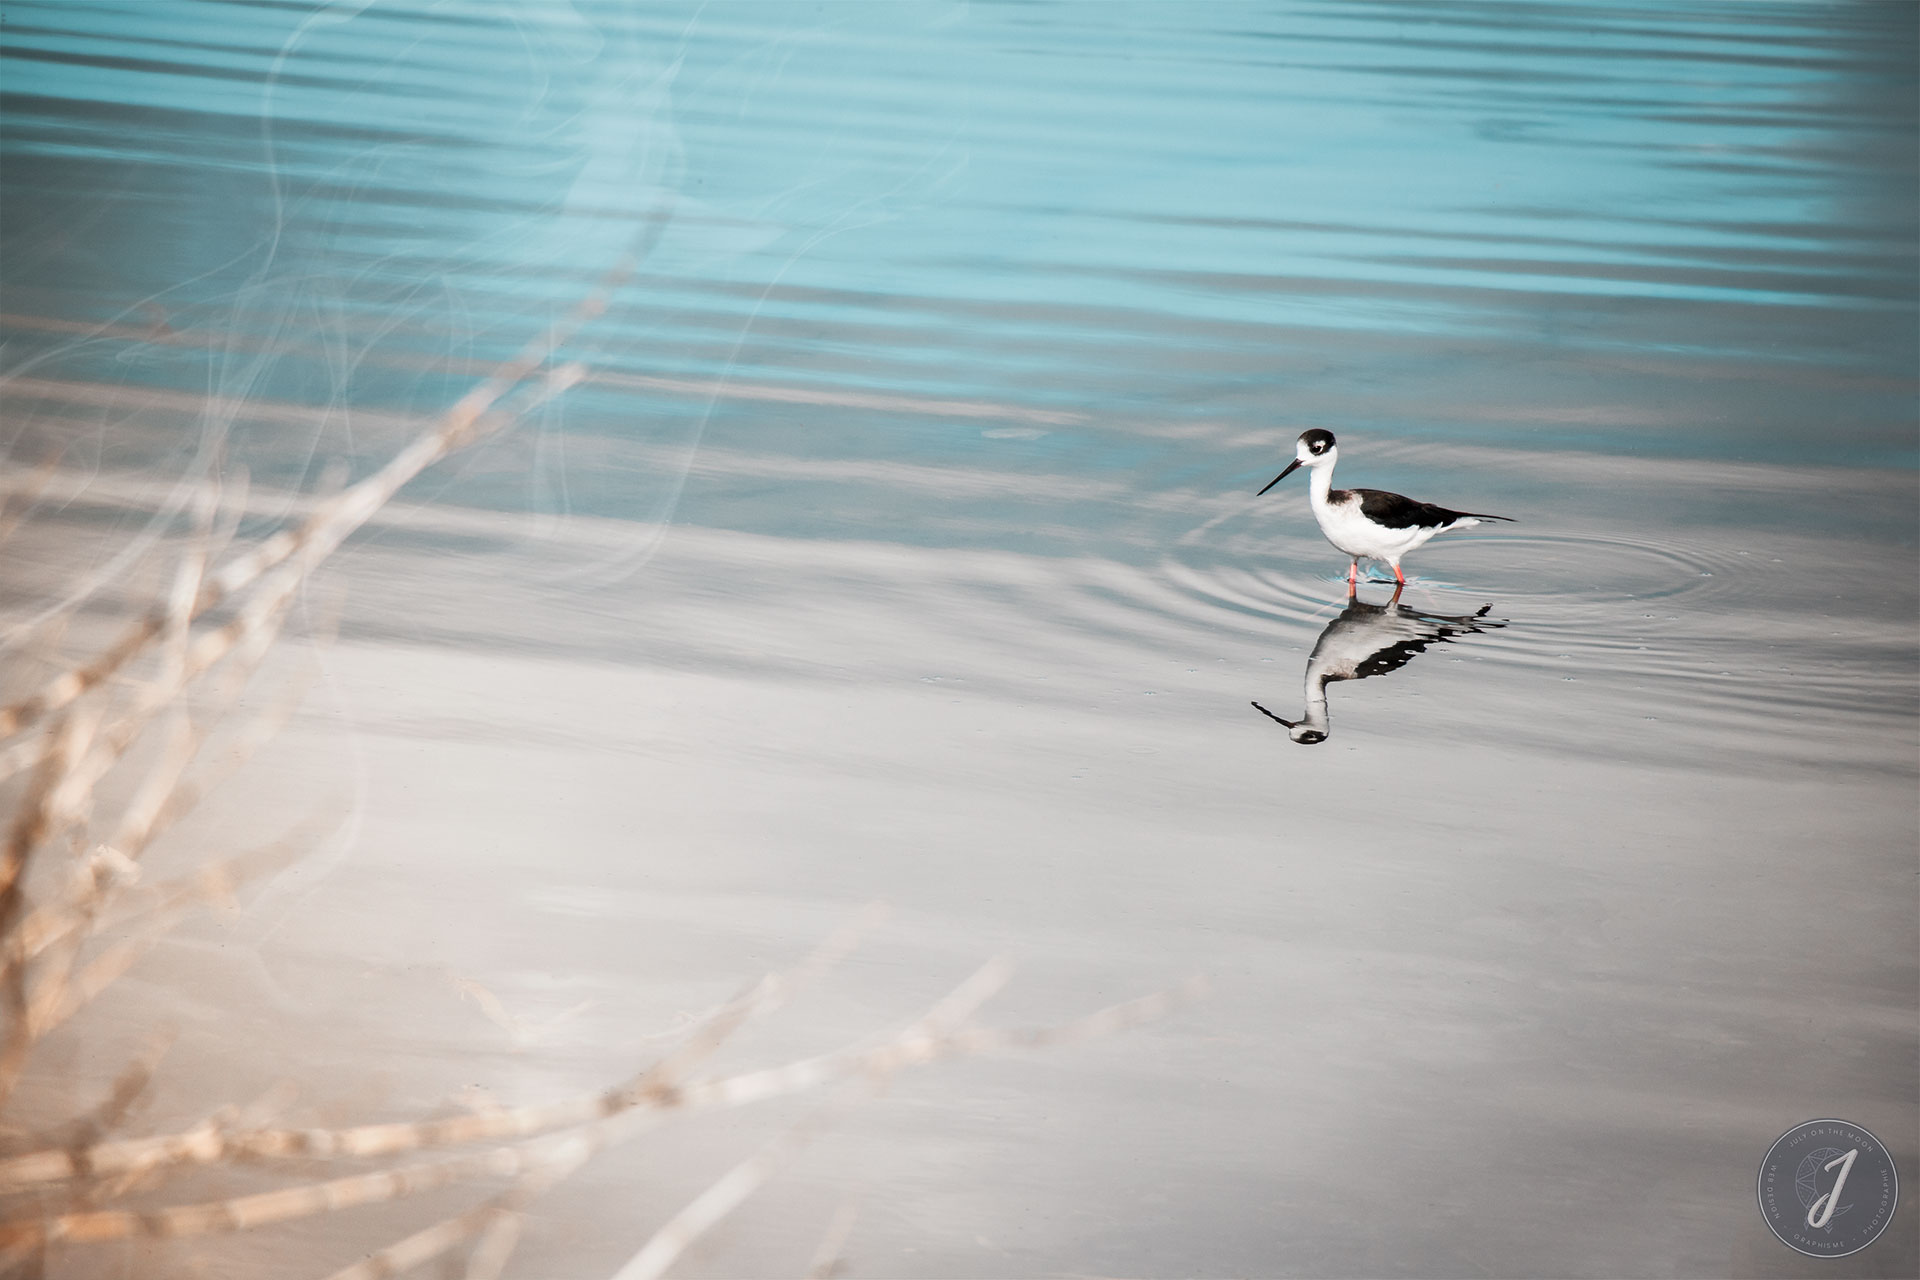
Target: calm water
{"type": "Point", "coordinates": [903, 544]}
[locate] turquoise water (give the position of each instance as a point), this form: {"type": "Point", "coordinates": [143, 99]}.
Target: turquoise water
{"type": "Point", "coordinates": [914, 474]}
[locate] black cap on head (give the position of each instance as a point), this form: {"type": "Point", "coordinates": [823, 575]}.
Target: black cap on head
{"type": "Point", "coordinates": [1316, 440]}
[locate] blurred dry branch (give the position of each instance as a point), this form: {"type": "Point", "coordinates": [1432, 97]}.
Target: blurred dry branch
{"type": "Point", "coordinates": [103, 757]}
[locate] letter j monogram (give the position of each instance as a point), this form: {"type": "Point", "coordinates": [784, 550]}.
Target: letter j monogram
{"type": "Point", "coordinates": [1821, 1211]}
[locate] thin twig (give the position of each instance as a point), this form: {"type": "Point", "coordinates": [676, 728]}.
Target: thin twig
{"type": "Point", "coordinates": [941, 1037]}
{"type": "Point", "coordinates": [333, 520]}
{"type": "Point", "coordinates": [214, 882]}
{"type": "Point", "coordinates": [657, 1085]}
{"type": "Point", "coordinates": [243, 1213]}
{"type": "Point", "coordinates": [128, 1088]}
{"type": "Point", "coordinates": [706, 1210]}
{"type": "Point", "coordinates": [828, 1255]}
{"type": "Point", "coordinates": [482, 1220]}
{"type": "Point", "coordinates": [732, 1188]}
{"type": "Point", "coordinates": [47, 808]}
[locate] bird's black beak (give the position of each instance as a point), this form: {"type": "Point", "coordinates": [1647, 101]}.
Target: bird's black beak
{"type": "Point", "coordinates": [1282, 476]}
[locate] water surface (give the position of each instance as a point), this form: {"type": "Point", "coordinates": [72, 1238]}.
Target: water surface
{"type": "Point", "coordinates": [902, 544]}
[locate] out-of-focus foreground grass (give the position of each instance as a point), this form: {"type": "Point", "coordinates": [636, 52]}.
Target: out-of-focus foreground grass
{"type": "Point", "coordinates": [116, 721]}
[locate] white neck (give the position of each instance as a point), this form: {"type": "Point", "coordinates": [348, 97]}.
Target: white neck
{"type": "Point", "coordinates": [1315, 716]}
{"type": "Point", "coordinates": [1320, 482]}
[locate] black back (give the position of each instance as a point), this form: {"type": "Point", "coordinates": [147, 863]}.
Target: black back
{"type": "Point", "coordinates": [1396, 512]}
{"type": "Point", "coordinates": [1438, 628]}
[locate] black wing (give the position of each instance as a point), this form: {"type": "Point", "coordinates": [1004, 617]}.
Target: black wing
{"type": "Point", "coordinates": [1398, 654]}
{"type": "Point", "coordinates": [1396, 512]}
{"type": "Point", "coordinates": [1392, 657]}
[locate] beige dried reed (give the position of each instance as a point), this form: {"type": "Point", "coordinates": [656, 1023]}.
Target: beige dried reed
{"type": "Point", "coordinates": [76, 914]}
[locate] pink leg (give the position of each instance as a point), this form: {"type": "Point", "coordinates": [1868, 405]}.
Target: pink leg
{"type": "Point", "coordinates": [1398, 576]}
{"type": "Point", "coordinates": [1353, 572]}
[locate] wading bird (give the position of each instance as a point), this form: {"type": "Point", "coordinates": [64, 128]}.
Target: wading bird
{"type": "Point", "coordinates": [1368, 524]}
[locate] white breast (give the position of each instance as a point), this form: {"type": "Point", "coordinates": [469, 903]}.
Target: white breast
{"type": "Point", "coordinates": [1354, 534]}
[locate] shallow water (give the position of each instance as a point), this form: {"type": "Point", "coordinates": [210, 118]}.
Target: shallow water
{"type": "Point", "coordinates": [902, 543]}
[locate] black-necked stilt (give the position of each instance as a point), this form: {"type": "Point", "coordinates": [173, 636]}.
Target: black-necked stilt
{"type": "Point", "coordinates": [1368, 524]}
{"type": "Point", "coordinates": [1369, 640]}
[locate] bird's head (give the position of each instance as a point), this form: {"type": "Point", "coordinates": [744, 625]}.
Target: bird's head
{"type": "Point", "coordinates": [1314, 448]}
{"type": "Point", "coordinates": [1308, 732]}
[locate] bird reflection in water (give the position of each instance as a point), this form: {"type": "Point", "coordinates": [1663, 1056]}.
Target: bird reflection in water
{"type": "Point", "coordinates": [1369, 640]}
